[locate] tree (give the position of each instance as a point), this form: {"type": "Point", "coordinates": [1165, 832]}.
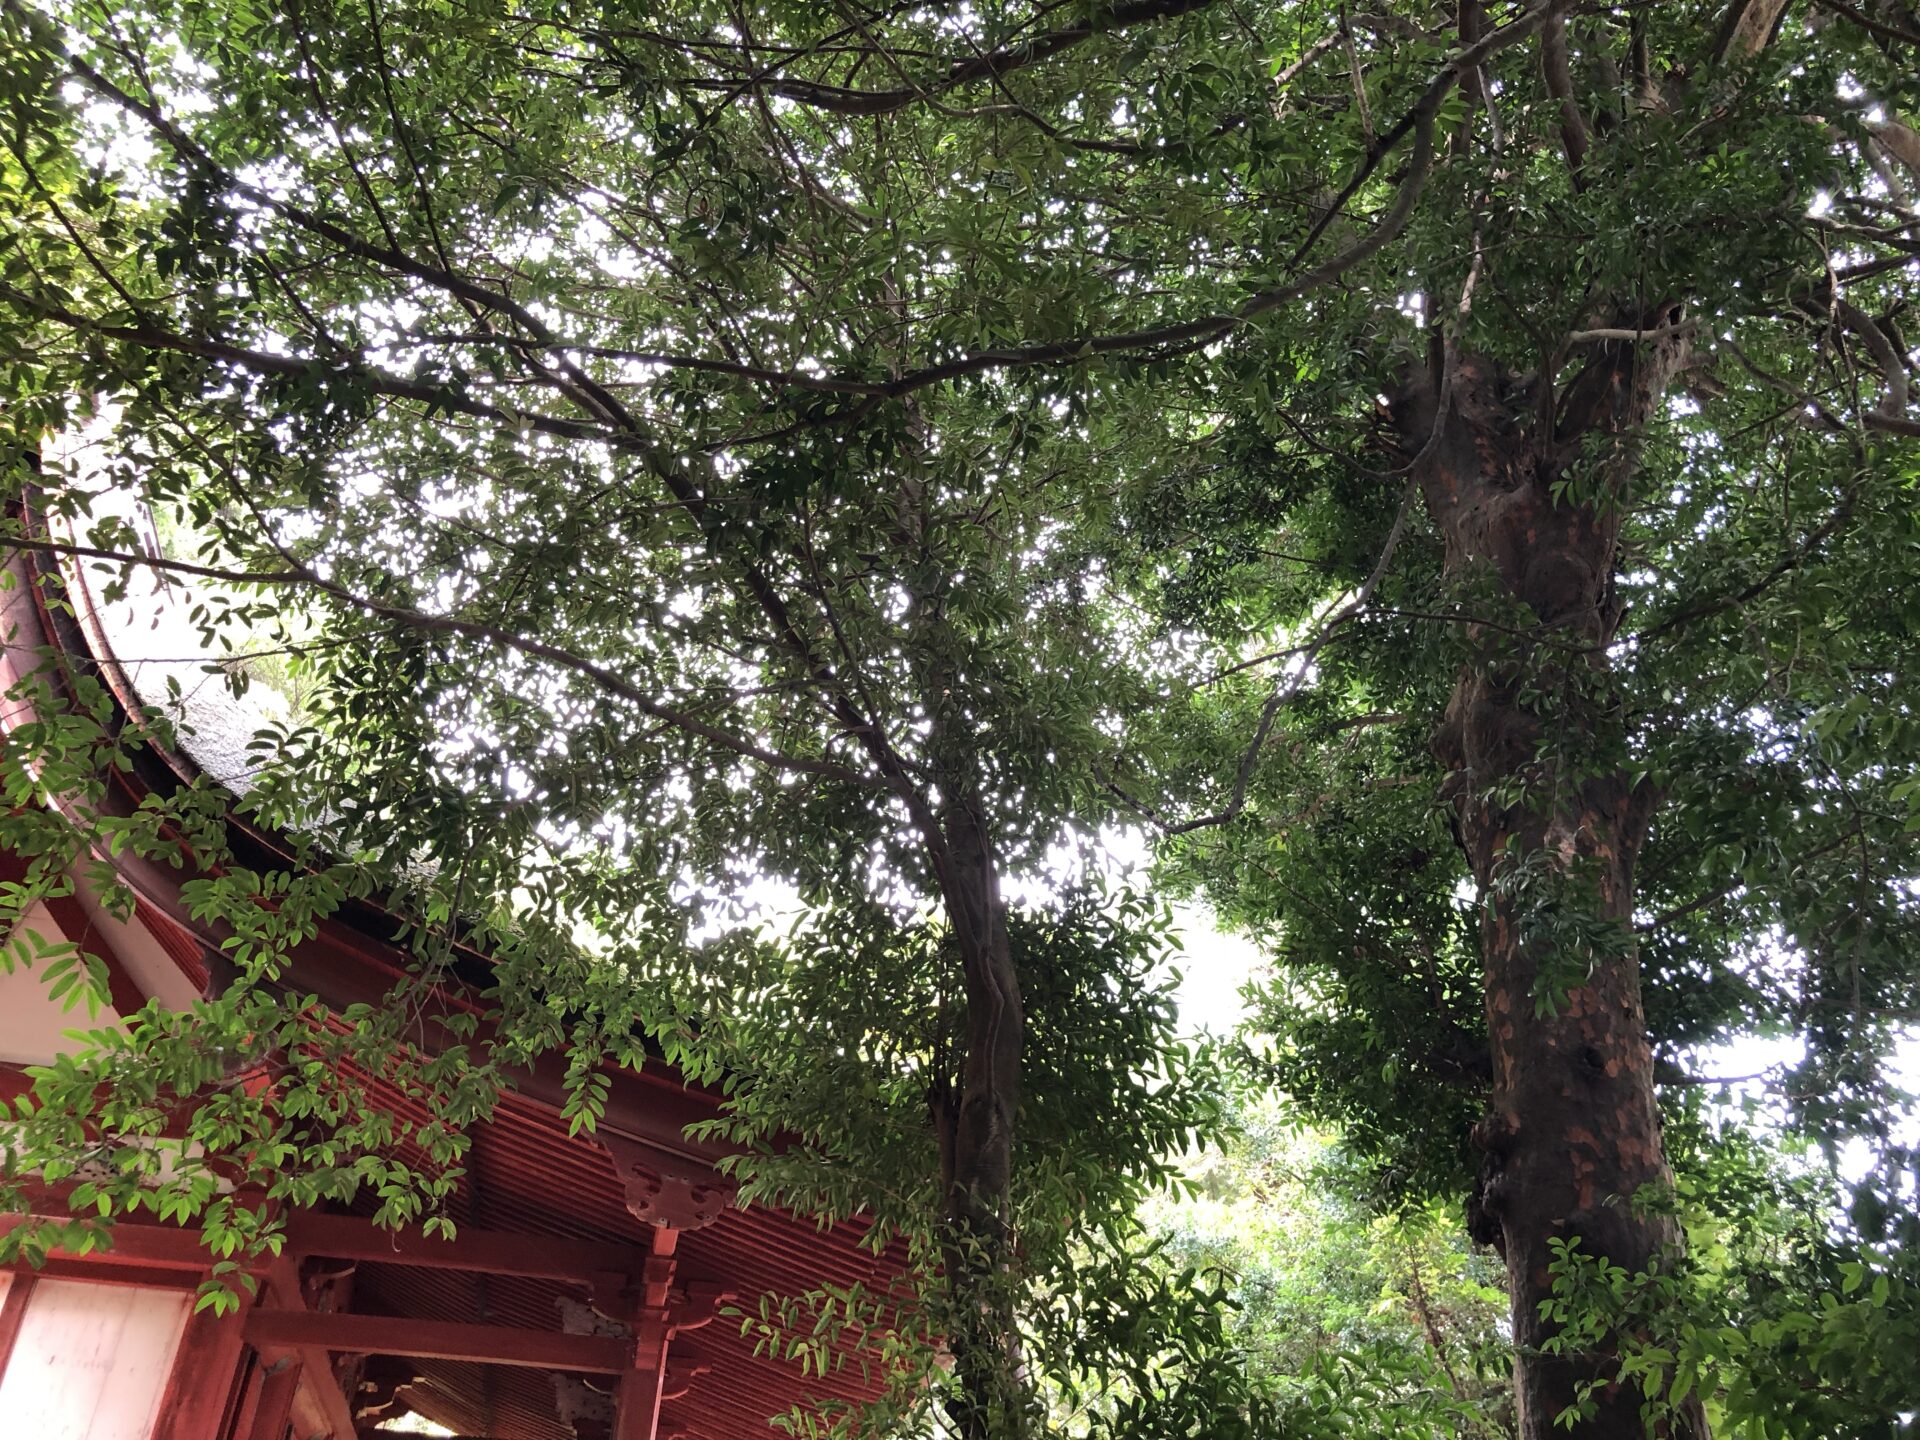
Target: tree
{"type": "Point", "coordinates": [871, 447]}
{"type": "Point", "coordinates": [1390, 1303]}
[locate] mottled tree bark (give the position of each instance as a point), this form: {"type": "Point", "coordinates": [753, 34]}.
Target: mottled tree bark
{"type": "Point", "coordinates": [1547, 813]}
{"type": "Point", "coordinates": [975, 1123]}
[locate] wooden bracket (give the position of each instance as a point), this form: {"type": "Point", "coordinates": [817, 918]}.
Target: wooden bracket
{"type": "Point", "coordinates": [665, 1189]}
{"type": "Point", "coordinates": [697, 1303]}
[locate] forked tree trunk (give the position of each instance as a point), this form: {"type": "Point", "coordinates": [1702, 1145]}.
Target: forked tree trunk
{"type": "Point", "coordinates": [1551, 822]}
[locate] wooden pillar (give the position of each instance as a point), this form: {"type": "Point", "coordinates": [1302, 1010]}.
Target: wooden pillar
{"type": "Point", "coordinates": [641, 1388]}
{"type": "Point", "coordinates": [639, 1413]}
{"type": "Point", "coordinates": [13, 1312]}
{"type": "Point", "coordinates": [272, 1401]}
{"type": "Point", "coordinates": [200, 1388]}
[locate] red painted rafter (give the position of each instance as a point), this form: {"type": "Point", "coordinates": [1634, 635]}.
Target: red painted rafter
{"type": "Point", "coordinates": [643, 1386]}
{"type": "Point", "coordinates": [141, 1277]}
{"type": "Point", "coordinates": [319, 1407]}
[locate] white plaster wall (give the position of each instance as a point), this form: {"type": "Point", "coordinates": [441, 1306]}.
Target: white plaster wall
{"type": "Point", "coordinates": [91, 1361]}
{"type": "Point", "coordinates": [143, 958]}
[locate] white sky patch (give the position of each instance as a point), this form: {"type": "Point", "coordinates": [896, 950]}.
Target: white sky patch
{"type": "Point", "coordinates": [1214, 966]}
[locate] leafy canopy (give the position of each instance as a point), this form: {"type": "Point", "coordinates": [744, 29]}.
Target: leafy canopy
{"type": "Point", "coordinates": [673, 446]}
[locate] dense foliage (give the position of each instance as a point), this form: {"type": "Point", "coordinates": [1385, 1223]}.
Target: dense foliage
{"type": "Point", "coordinates": [1446, 472]}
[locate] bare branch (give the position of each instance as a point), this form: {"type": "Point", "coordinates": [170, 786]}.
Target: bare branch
{"type": "Point", "coordinates": [1900, 140]}
{"type": "Point", "coordinates": [1291, 685]}
{"type": "Point", "coordinates": [1816, 408]}
{"type": "Point", "coordinates": [1471, 21]}
{"type": "Point", "coordinates": [673, 360]}
{"type": "Point", "coordinates": [1868, 23]}
{"type": "Point", "coordinates": [1606, 332]}
{"type": "Point", "coordinates": [1312, 53]}
{"type": "Point", "coordinates": [1359, 81]}
{"type": "Point", "coordinates": [1714, 897]}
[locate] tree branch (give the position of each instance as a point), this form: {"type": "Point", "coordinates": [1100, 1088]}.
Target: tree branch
{"type": "Point", "coordinates": [260, 362]}
{"type": "Point", "coordinates": [621, 429]}
{"type": "Point", "coordinates": [992, 65]}
{"type": "Point", "coordinates": [1714, 897]}
{"type": "Point", "coordinates": [1747, 29]}
{"type": "Point", "coordinates": [1869, 24]}
{"type": "Point", "coordinates": [1887, 360]}
{"type": "Point", "coordinates": [1558, 72]}
{"type": "Point", "coordinates": [590, 394]}
{"type": "Point", "coordinates": [1417, 122]}
{"type": "Point", "coordinates": [1658, 332]}
{"type": "Point", "coordinates": [298, 575]}
{"type": "Point", "coordinates": [1289, 687]}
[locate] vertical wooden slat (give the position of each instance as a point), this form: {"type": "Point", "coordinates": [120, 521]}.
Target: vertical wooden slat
{"type": "Point", "coordinates": [319, 1405]}
{"type": "Point", "coordinates": [273, 1401]}
{"type": "Point", "coordinates": [13, 1313]}
{"type": "Point", "coordinates": [205, 1368]}
{"type": "Point", "coordinates": [247, 1403]}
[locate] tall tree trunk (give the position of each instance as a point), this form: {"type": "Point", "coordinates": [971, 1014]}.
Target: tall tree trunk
{"type": "Point", "coordinates": [1528, 490]}
{"type": "Point", "coordinates": [975, 1122]}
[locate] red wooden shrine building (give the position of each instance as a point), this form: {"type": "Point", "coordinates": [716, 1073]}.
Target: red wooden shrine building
{"type": "Point", "coordinates": [578, 1298]}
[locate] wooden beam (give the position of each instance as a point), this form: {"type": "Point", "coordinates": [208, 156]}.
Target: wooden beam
{"type": "Point", "coordinates": [89, 1272]}
{"type": "Point", "coordinates": [440, 1340]}
{"type": "Point", "coordinates": [167, 1247]}
{"type": "Point", "coordinates": [642, 1390]}
{"type": "Point", "coordinates": [489, 1252]}
{"type": "Point", "coordinates": [247, 1410]}
{"type": "Point", "coordinates": [320, 1410]}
